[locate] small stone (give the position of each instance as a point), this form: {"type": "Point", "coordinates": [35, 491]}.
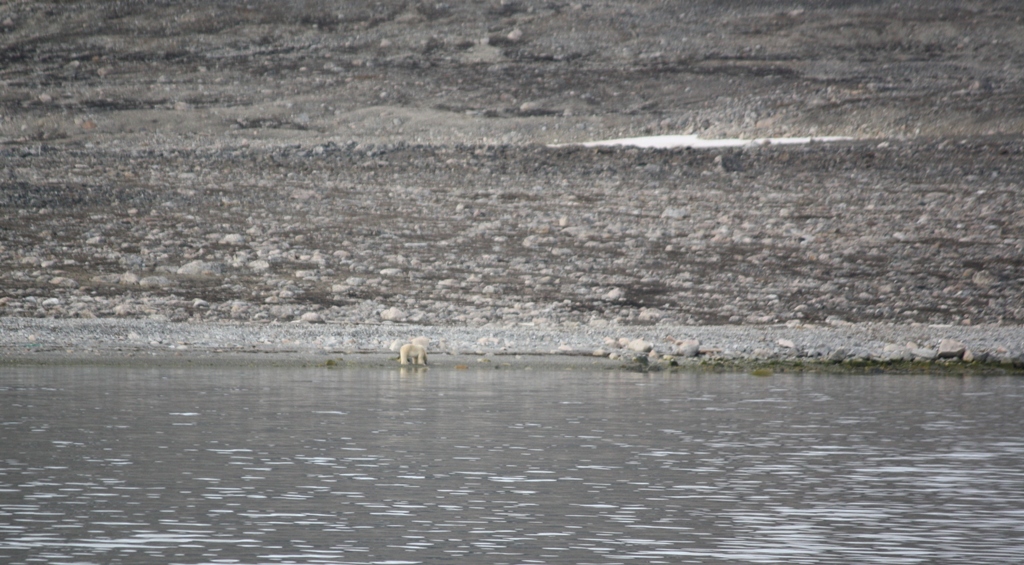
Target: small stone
{"type": "Point", "coordinates": [613, 295]}
{"type": "Point", "coordinates": [639, 345]}
{"type": "Point", "coordinates": [650, 315]}
{"type": "Point", "coordinates": [106, 279]}
{"type": "Point", "coordinates": [200, 268]}
{"type": "Point", "coordinates": [312, 318]}
{"type": "Point", "coordinates": [530, 106]}
{"type": "Point", "coordinates": [951, 349]}
{"type": "Point", "coordinates": [675, 213]}
{"type": "Point", "coordinates": [45, 98]}
{"type": "Point", "coordinates": [128, 279]}
{"type": "Point", "coordinates": [51, 302]}
{"type": "Point", "coordinates": [787, 343]}
{"type": "Point", "coordinates": [390, 272]}
{"type": "Point", "coordinates": [392, 314]}
{"type": "Point", "coordinates": [600, 353]}
{"type": "Point", "coordinates": [984, 279]}
{"type": "Point", "coordinates": [154, 282]}
{"type": "Point", "coordinates": [233, 239]}
{"type": "Point", "coordinates": [515, 35]}
{"type": "Point", "coordinates": [64, 282]}
{"type": "Point", "coordinates": [968, 356]}
{"type": "Point", "coordinates": [259, 265]}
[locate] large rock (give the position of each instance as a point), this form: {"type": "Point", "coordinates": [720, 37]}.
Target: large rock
{"type": "Point", "coordinates": [951, 349]}
{"type": "Point", "coordinates": [613, 294]}
{"type": "Point", "coordinates": [650, 315]}
{"type": "Point", "coordinates": [392, 314]}
{"type": "Point", "coordinates": [639, 345]}
{"type": "Point", "coordinates": [688, 348]}
{"type": "Point", "coordinates": [838, 355]}
{"type": "Point", "coordinates": [312, 318]}
{"type": "Point", "coordinates": [923, 353]}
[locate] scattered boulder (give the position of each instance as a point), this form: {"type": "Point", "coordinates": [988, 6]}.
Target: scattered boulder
{"type": "Point", "coordinates": [392, 314]}
{"type": "Point", "coordinates": [650, 315]}
{"type": "Point", "coordinates": [688, 348]}
{"type": "Point", "coordinates": [613, 295]}
{"type": "Point", "coordinates": [951, 349]}
{"type": "Point", "coordinates": [639, 345]}
{"type": "Point", "coordinates": [924, 353]}
{"type": "Point", "coordinates": [312, 318]}
{"type": "Point", "coordinates": [838, 355]}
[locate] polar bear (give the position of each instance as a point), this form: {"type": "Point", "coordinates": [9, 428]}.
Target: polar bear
{"type": "Point", "coordinates": [416, 354]}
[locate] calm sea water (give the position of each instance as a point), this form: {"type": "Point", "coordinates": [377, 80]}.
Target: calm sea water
{"type": "Point", "coordinates": [329, 466]}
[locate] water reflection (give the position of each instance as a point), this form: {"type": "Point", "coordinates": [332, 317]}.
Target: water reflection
{"type": "Point", "coordinates": [330, 466]}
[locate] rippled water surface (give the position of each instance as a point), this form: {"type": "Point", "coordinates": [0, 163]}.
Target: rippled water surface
{"type": "Point", "coordinates": [322, 466]}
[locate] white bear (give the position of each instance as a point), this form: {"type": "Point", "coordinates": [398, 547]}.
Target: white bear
{"type": "Point", "coordinates": [417, 354]}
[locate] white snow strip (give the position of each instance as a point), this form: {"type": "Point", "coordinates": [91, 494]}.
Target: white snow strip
{"type": "Point", "coordinates": [671, 141]}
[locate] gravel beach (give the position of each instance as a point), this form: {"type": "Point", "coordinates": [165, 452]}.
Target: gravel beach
{"type": "Point", "coordinates": [328, 179]}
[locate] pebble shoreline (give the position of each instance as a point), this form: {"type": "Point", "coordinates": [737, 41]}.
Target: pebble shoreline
{"type": "Point", "coordinates": [56, 340]}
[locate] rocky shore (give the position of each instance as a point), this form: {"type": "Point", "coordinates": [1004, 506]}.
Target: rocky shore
{"type": "Point", "coordinates": [978, 349]}
{"type": "Point", "coordinates": [390, 167]}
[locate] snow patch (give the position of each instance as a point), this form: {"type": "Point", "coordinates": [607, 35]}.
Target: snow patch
{"type": "Point", "coordinates": [692, 141]}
